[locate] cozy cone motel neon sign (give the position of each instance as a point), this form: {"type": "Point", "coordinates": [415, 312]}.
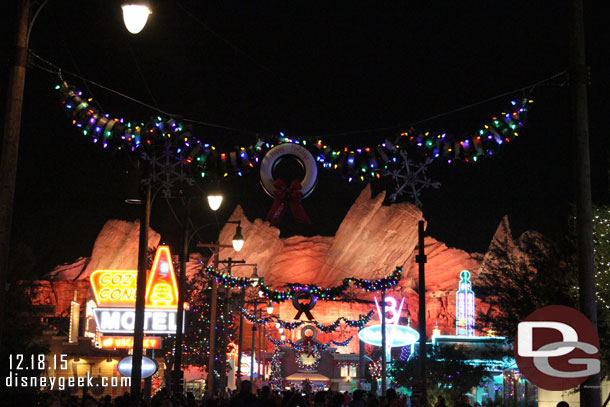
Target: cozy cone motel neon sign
{"type": "Point", "coordinates": [115, 294]}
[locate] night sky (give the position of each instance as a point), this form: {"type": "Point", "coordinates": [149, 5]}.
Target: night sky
{"type": "Point", "coordinates": [315, 68]}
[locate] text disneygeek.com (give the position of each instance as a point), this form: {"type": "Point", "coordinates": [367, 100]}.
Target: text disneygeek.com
{"type": "Point", "coordinates": [63, 382]}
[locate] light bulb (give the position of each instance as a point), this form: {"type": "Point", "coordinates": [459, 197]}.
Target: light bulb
{"type": "Point", "coordinates": [281, 330]}
{"type": "Point", "coordinates": [135, 16]}
{"type": "Point", "coordinates": [238, 239]}
{"type": "Point", "coordinates": [214, 200]}
{"type": "Point", "coordinates": [270, 308]}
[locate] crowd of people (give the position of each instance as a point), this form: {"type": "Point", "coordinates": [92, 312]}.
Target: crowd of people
{"type": "Point", "coordinates": [264, 397]}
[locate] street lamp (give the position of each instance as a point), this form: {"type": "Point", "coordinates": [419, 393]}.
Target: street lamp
{"type": "Point", "coordinates": [135, 15]}
{"type": "Point", "coordinates": [238, 238]}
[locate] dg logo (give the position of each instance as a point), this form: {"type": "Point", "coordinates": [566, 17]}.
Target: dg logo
{"type": "Point", "coordinates": [557, 348]}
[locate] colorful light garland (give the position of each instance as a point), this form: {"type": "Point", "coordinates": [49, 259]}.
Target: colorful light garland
{"type": "Point", "coordinates": [300, 347]}
{"type": "Point", "coordinates": [326, 294]}
{"type": "Point", "coordinates": [359, 323]}
{"type": "Point", "coordinates": [361, 163]}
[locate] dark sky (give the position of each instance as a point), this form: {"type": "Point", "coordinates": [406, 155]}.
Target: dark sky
{"type": "Point", "coordinates": [308, 69]}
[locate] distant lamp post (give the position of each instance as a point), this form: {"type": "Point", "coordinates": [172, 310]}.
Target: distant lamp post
{"type": "Point", "coordinates": [135, 15]}
{"type": "Point", "coordinates": [238, 239]}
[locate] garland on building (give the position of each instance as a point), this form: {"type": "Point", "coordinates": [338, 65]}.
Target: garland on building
{"type": "Point", "coordinates": [355, 163]}
{"type": "Point", "coordinates": [275, 377]}
{"type": "Point", "coordinates": [359, 323]}
{"type": "Point", "coordinates": [300, 347]}
{"type": "Point", "coordinates": [326, 294]}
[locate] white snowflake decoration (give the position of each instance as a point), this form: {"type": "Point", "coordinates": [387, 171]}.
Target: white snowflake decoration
{"type": "Point", "coordinates": [410, 178]}
{"type": "Point", "coordinates": [166, 170]}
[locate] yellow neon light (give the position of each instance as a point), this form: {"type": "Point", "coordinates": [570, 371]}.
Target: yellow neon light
{"type": "Point", "coordinates": [117, 288]}
{"type": "Point", "coordinates": [162, 289]}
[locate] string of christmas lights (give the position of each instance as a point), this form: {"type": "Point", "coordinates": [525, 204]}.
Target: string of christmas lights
{"type": "Point", "coordinates": [275, 377]}
{"type": "Point", "coordinates": [300, 346]}
{"type": "Point", "coordinates": [375, 369]}
{"type": "Point", "coordinates": [355, 163]}
{"type": "Point", "coordinates": [326, 294]}
{"type": "Point", "coordinates": [354, 323]}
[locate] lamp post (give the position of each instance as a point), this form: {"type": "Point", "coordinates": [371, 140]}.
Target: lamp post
{"type": "Point", "coordinates": [237, 244]}
{"type": "Point", "coordinates": [421, 259]}
{"type": "Point", "coordinates": [590, 394]}
{"type": "Point", "coordinates": [240, 339]}
{"type": "Point", "coordinates": [11, 132]}
{"type": "Point", "coordinates": [136, 174]}
{"type": "Point", "coordinates": [182, 287]}
{"type": "Point", "coordinates": [223, 339]}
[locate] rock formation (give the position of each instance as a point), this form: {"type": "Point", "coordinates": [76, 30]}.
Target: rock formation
{"type": "Point", "coordinates": [371, 242]}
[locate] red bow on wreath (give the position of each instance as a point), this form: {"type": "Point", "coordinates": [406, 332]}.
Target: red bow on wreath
{"type": "Point", "coordinates": [287, 197]}
{"type": "Point", "coordinates": [309, 346]}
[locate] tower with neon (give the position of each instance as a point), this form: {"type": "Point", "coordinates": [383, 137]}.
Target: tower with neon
{"type": "Point", "coordinates": [464, 318]}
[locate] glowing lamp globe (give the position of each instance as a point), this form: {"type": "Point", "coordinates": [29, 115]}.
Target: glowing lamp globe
{"type": "Point", "coordinates": [214, 200]}
{"type": "Point", "coordinates": [238, 239]}
{"type": "Point", "coordinates": [135, 15]}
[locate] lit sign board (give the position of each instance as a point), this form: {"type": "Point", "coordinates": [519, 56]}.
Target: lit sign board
{"type": "Point", "coordinates": [396, 335]}
{"type": "Point", "coordinates": [117, 288]}
{"type": "Point", "coordinates": [122, 321]}
{"type": "Point", "coordinates": [149, 366]}
{"type": "Point", "coordinates": [126, 342]}
{"type": "Point", "coordinates": [114, 288]}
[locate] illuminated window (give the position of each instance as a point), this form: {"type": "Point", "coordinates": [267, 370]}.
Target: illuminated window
{"type": "Point", "coordinates": [348, 371]}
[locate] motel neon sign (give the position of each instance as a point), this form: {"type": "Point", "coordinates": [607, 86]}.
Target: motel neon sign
{"type": "Point", "coordinates": [115, 294]}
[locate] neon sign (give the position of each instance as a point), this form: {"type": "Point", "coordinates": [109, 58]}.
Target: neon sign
{"type": "Point", "coordinates": [464, 318]}
{"type": "Point", "coordinates": [117, 288]}
{"type": "Point", "coordinates": [126, 342]}
{"type": "Point", "coordinates": [396, 335]}
{"type": "Point", "coordinates": [122, 321]}
{"type": "Point", "coordinates": [114, 288]}
{"type": "Point", "coordinates": [115, 295]}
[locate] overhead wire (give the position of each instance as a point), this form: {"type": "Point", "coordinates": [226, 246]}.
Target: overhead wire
{"type": "Point", "coordinates": [529, 87]}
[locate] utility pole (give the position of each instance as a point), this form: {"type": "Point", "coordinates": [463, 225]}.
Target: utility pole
{"type": "Point", "coordinates": [240, 340]}
{"type": "Point", "coordinates": [213, 304]}
{"type": "Point", "coordinates": [421, 260]}
{"type": "Point", "coordinates": [138, 333]}
{"type": "Point", "coordinates": [224, 336]}
{"type": "Point", "coordinates": [590, 391]}
{"type": "Point", "coordinates": [253, 346]}
{"type": "Point", "coordinates": [10, 144]}
{"type": "Point", "coordinates": [181, 287]}
{"type": "Point", "coordinates": [384, 379]}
